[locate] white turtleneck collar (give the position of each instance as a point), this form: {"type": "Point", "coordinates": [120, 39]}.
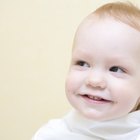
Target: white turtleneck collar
{"type": "Point", "coordinates": [125, 128]}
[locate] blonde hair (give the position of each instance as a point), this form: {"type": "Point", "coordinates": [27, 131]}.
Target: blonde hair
{"type": "Point", "coordinates": [124, 12]}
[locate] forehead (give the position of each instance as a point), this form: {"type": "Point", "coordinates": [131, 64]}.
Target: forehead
{"type": "Point", "coordinates": [105, 26]}
{"type": "Point", "coordinates": [107, 33]}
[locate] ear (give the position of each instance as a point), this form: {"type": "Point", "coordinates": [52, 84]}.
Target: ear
{"type": "Point", "coordinates": [137, 107]}
{"type": "Point", "coordinates": [138, 104]}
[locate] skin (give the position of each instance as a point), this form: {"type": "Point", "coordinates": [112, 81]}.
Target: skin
{"type": "Point", "coordinates": [103, 82]}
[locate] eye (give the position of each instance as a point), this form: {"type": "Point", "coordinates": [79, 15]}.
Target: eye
{"type": "Point", "coordinates": [82, 63]}
{"type": "Point", "coordinates": [117, 69]}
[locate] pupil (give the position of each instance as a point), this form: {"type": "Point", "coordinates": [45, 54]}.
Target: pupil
{"type": "Point", "coordinates": [114, 69]}
{"type": "Point", "coordinates": [81, 63]}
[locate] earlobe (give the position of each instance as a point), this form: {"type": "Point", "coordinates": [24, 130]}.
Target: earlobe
{"type": "Point", "coordinates": [137, 107]}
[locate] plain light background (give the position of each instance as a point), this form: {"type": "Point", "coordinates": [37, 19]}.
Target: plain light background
{"type": "Point", "coordinates": [35, 47]}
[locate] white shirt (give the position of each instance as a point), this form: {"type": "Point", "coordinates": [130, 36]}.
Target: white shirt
{"type": "Point", "coordinates": [74, 127]}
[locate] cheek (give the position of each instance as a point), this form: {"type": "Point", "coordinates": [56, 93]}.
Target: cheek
{"type": "Point", "coordinates": [73, 82]}
{"type": "Point", "coordinates": [70, 83]}
{"type": "Point", "coordinates": [126, 95]}
{"type": "Point", "coordinates": [70, 87]}
{"type": "Point", "coordinates": [124, 89]}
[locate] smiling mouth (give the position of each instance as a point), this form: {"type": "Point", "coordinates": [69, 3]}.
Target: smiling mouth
{"type": "Point", "coordinates": [96, 98]}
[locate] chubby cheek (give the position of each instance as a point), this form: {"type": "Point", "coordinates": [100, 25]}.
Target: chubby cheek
{"type": "Point", "coordinates": [73, 82]}
{"type": "Point", "coordinates": [70, 84]}
{"type": "Point", "coordinates": [126, 96]}
{"type": "Point", "coordinates": [70, 87]}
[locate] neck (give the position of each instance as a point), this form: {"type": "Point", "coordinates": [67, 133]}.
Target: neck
{"type": "Point", "coordinates": [127, 127]}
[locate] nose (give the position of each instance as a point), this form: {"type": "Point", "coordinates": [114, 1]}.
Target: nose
{"type": "Point", "coordinates": [96, 79]}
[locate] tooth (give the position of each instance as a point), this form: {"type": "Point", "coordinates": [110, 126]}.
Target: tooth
{"type": "Point", "coordinates": [90, 96]}
{"type": "Point", "coordinates": [97, 98]}
{"type": "Point", "coordinates": [94, 97]}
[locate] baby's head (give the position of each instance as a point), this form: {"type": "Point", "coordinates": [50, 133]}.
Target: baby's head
{"type": "Point", "coordinates": [104, 78]}
{"type": "Point", "coordinates": [123, 12]}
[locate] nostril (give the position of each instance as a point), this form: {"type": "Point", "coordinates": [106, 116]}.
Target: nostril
{"type": "Point", "coordinates": [96, 78]}
{"type": "Point", "coordinates": [96, 83]}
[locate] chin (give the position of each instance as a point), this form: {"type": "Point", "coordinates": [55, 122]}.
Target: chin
{"type": "Point", "coordinates": [97, 117]}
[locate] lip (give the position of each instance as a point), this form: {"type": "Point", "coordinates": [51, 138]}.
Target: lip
{"type": "Point", "coordinates": [93, 99]}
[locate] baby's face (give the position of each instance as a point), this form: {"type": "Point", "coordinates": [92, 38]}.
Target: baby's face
{"type": "Point", "coordinates": [104, 78]}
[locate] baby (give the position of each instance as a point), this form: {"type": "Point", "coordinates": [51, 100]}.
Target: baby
{"type": "Point", "coordinates": [103, 83]}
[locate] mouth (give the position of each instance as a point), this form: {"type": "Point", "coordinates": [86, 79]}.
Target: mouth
{"type": "Point", "coordinates": [96, 99]}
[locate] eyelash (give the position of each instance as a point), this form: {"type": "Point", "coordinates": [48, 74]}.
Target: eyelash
{"type": "Point", "coordinates": [117, 69]}
{"type": "Point", "coordinates": [114, 69]}
{"type": "Point", "coordinates": [82, 63]}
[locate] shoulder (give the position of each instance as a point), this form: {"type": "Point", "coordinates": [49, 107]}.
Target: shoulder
{"type": "Point", "coordinates": [51, 130]}
{"type": "Point", "coordinates": [138, 138]}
